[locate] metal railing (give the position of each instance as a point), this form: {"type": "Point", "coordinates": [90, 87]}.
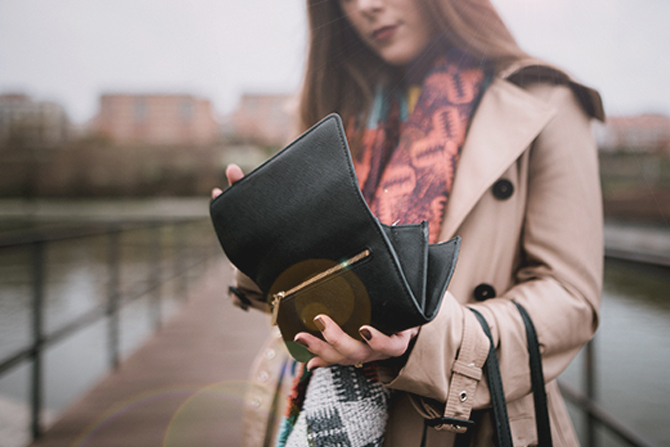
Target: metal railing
{"type": "Point", "coordinates": [186, 257]}
{"type": "Point", "coordinates": [594, 414]}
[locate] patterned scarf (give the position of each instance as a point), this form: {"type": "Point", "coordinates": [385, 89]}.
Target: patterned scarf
{"type": "Point", "coordinates": [408, 159]}
{"type": "Point", "coordinates": [410, 150]}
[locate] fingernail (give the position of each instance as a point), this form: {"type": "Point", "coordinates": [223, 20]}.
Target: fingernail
{"type": "Point", "coordinates": [318, 321]}
{"type": "Point", "coordinates": [365, 333]}
{"type": "Point", "coordinates": [301, 342]}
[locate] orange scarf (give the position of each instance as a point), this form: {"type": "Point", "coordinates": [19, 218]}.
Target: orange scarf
{"type": "Point", "coordinates": [408, 159]}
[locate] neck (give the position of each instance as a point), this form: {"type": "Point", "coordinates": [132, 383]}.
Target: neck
{"type": "Point", "coordinates": [417, 68]}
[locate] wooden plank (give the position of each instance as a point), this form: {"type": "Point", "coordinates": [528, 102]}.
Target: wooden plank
{"type": "Point", "coordinates": [184, 386]}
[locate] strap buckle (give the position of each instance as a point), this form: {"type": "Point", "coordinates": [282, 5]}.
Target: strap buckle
{"type": "Point", "coordinates": [244, 301]}
{"type": "Point", "coordinates": [454, 422]}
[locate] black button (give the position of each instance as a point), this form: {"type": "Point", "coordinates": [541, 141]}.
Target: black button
{"type": "Point", "coordinates": [503, 189]}
{"type": "Point", "coordinates": [484, 292]}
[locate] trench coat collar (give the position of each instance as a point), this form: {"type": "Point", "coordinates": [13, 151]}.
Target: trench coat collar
{"type": "Point", "coordinates": [506, 122]}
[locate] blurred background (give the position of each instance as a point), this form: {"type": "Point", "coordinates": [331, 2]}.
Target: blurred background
{"type": "Point", "coordinates": [117, 118]}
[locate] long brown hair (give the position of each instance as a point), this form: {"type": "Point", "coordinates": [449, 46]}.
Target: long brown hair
{"type": "Point", "coordinates": [341, 70]}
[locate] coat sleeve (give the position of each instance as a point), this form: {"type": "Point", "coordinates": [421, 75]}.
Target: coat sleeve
{"type": "Point", "coordinates": [558, 281]}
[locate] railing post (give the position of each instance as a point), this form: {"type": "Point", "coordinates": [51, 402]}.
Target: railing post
{"type": "Point", "coordinates": [38, 338]}
{"type": "Point", "coordinates": [590, 372]}
{"type": "Point", "coordinates": [156, 278]}
{"type": "Point", "coordinates": [181, 264]}
{"type": "Point", "coordinates": [113, 263]}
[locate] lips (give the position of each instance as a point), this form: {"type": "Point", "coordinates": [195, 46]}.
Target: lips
{"type": "Point", "coordinates": [384, 33]}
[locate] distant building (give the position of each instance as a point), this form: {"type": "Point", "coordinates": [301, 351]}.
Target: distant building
{"type": "Point", "coordinates": [35, 123]}
{"type": "Point", "coordinates": [156, 119]}
{"type": "Point", "coordinates": [640, 133]}
{"type": "Point", "coordinates": [265, 119]}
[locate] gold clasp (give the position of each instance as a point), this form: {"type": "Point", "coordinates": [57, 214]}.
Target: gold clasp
{"type": "Point", "coordinates": [277, 297]}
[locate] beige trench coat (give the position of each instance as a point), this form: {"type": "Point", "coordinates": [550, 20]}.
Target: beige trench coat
{"type": "Point", "coordinates": [538, 243]}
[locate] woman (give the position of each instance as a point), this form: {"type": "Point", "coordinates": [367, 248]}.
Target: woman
{"type": "Point", "coordinates": [451, 122]}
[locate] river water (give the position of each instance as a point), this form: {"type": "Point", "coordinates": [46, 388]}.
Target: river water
{"type": "Point", "coordinates": [632, 343]}
{"type": "Point", "coordinates": [76, 279]}
{"type": "Point", "coordinates": [632, 348]}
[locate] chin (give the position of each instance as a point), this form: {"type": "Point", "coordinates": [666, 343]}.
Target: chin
{"type": "Point", "coordinates": [396, 59]}
{"type": "Point", "coordinates": [400, 56]}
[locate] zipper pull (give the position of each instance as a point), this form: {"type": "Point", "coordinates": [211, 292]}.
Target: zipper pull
{"type": "Point", "coordinates": [275, 306]}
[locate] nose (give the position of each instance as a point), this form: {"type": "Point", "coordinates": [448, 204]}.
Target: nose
{"type": "Point", "coordinates": [369, 6]}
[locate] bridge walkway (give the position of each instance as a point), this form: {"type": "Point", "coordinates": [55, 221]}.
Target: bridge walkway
{"type": "Point", "coordinates": [183, 387]}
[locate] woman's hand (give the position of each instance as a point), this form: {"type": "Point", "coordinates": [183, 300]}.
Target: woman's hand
{"type": "Point", "coordinates": [233, 174]}
{"type": "Point", "coordinates": [340, 348]}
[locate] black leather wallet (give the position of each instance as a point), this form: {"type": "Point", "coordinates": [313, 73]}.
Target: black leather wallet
{"type": "Point", "coordinates": [299, 227]}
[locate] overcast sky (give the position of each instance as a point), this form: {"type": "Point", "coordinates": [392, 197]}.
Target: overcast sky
{"type": "Point", "coordinates": [70, 51]}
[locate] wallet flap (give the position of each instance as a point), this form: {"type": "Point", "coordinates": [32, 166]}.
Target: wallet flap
{"type": "Point", "coordinates": [411, 245]}
{"type": "Point", "coordinates": [442, 259]}
{"type": "Point", "coordinates": [302, 203]}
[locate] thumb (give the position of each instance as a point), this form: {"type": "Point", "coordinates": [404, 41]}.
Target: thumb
{"type": "Point", "coordinates": [234, 173]}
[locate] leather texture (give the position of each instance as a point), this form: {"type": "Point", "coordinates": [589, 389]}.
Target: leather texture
{"type": "Point", "coordinates": [542, 420]}
{"type": "Point", "coordinates": [300, 213]}
{"type": "Point", "coordinates": [501, 428]}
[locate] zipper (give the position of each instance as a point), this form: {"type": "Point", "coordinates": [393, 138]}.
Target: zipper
{"type": "Point", "coordinates": [277, 297]}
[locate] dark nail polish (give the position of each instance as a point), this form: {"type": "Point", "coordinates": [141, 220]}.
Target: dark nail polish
{"type": "Point", "coordinates": [318, 322]}
{"type": "Point", "coordinates": [365, 333]}
{"type": "Point", "coordinates": [301, 342]}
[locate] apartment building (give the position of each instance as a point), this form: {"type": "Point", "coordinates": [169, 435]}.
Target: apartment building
{"type": "Point", "coordinates": [156, 119]}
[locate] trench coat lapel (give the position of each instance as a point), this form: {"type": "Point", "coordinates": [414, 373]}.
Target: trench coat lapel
{"type": "Point", "coordinates": [506, 122]}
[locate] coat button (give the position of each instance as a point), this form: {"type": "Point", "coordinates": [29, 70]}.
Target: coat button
{"type": "Point", "coordinates": [503, 189]}
{"type": "Point", "coordinates": [484, 291]}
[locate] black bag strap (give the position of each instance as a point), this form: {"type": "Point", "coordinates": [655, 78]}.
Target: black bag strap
{"type": "Point", "coordinates": [537, 381]}
{"type": "Point", "coordinates": [503, 434]}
